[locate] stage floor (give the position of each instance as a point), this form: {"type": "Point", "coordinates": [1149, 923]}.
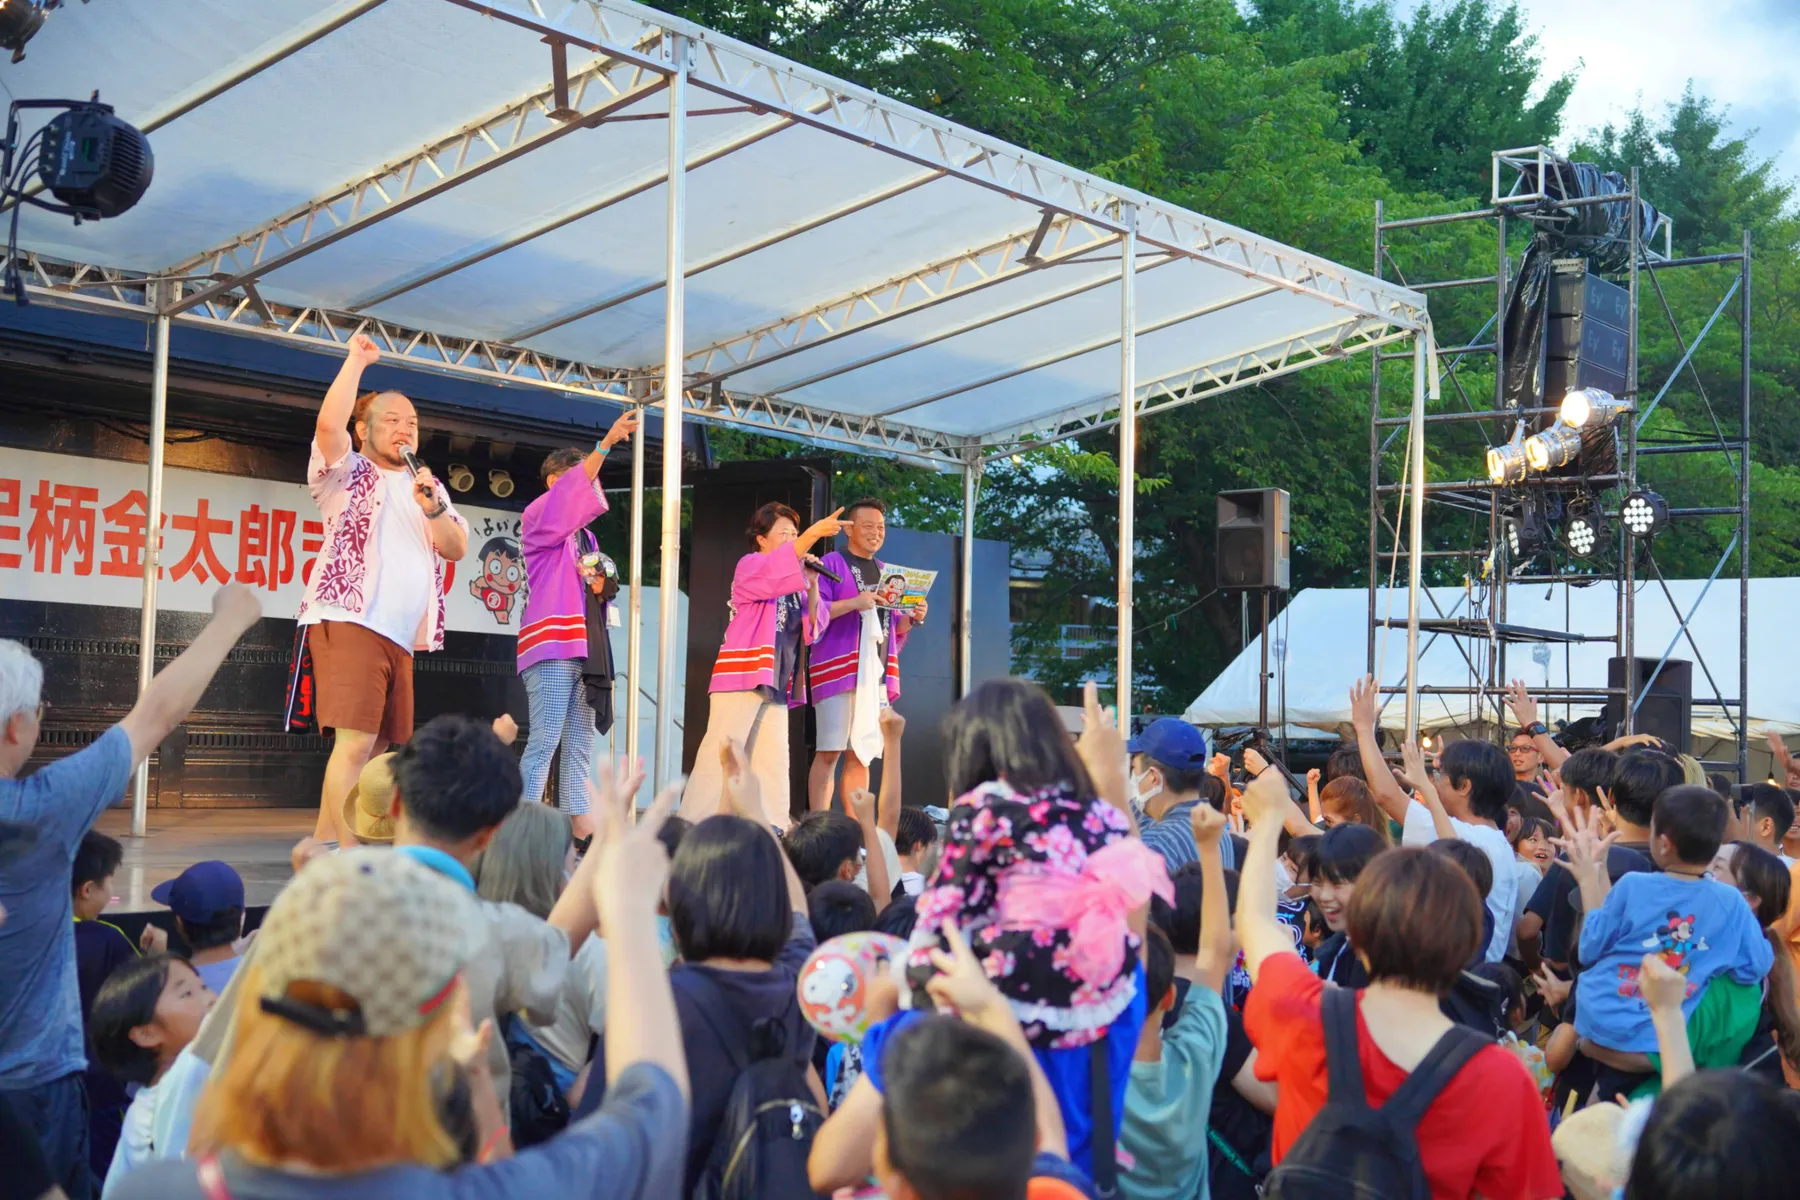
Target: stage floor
{"type": "Point", "coordinates": [256, 841]}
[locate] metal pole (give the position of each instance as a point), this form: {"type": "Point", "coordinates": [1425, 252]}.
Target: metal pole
{"type": "Point", "coordinates": [153, 493]}
{"type": "Point", "coordinates": [1628, 590]}
{"type": "Point", "coordinates": [1262, 679]}
{"type": "Point", "coordinates": [1743, 754]}
{"type": "Point", "coordinates": [1127, 456]}
{"type": "Point", "coordinates": [1374, 467]}
{"type": "Point", "coordinates": [965, 670]}
{"type": "Point", "coordinates": [634, 632]}
{"type": "Point", "coordinates": [1497, 607]}
{"type": "Point", "coordinates": [674, 311]}
{"type": "Point", "coordinates": [1416, 537]}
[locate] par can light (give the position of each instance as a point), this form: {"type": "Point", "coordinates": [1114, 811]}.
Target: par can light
{"type": "Point", "coordinates": [1526, 534]}
{"type": "Point", "coordinates": [1555, 447]}
{"type": "Point", "coordinates": [1506, 464]}
{"type": "Point", "coordinates": [1584, 533]}
{"type": "Point", "coordinates": [1644, 514]}
{"type": "Point", "coordinates": [1590, 406]}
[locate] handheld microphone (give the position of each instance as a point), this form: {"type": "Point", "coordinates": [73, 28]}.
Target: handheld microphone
{"type": "Point", "coordinates": [817, 568]}
{"type": "Point", "coordinates": [413, 465]}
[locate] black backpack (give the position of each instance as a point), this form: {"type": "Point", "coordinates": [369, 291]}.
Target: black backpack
{"type": "Point", "coordinates": [1350, 1150]}
{"type": "Point", "coordinates": [539, 1109]}
{"type": "Point", "coordinates": [766, 1131]}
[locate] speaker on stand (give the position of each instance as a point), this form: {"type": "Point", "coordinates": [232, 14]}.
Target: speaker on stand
{"type": "Point", "coordinates": [1254, 530]}
{"type": "Point", "coordinates": [1665, 705]}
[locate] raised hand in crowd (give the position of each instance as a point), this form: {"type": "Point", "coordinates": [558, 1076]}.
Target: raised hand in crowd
{"type": "Point", "coordinates": [1265, 803]}
{"type": "Point", "coordinates": [469, 1050]}
{"type": "Point", "coordinates": [1664, 989]}
{"type": "Point", "coordinates": [172, 695]}
{"type": "Point", "coordinates": [506, 729]}
{"type": "Point", "coordinates": [1412, 764]}
{"type": "Point", "coordinates": [893, 728]}
{"type": "Point", "coordinates": [1365, 712]}
{"type": "Point", "coordinates": [880, 887]}
{"type": "Point", "coordinates": [625, 888]}
{"type": "Point", "coordinates": [1785, 767]}
{"type": "Point", "coordinates": [154, 939]}
{"type": "Point", "coordinates": [1586, 845]}
{"type": "Point", "coordinates": [1101, 748]}
{"type": "Point", "coordinates": [1552, 987]}
{"type": "Point", "coordinates": [1312, 795]}
{"type": "Point", "coordinates": [1525, 712]}
{"type": "Point", "coordinates": [575, 912]}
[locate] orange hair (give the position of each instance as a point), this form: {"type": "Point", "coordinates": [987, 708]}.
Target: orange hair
{"type": "Point", "coordinates": [287, 1094]}
{"type": "Point", "coordinates": [1350, 798]}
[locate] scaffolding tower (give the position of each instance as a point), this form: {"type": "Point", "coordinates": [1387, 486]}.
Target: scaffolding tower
{"type": "Point", "coordinates": [1484, 635]}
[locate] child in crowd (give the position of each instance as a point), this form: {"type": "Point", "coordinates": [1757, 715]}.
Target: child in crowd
{"type": "Point", "coordinates": [208, 902]}
{"type": "Point", "coordinates": [1700, 927]}
{"type": "Point", "coordinates": [916, 842]}
{"type": "Point", "coordinates": [100, 949]}
{"type": "Point", "coordinates": [146, 1014]}
{"type": "Point", "coordinates": [1182, 1044]}
{"type": "Point", "coordinates": [1340, 858]}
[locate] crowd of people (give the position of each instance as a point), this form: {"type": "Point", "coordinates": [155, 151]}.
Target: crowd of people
{"type": "Point", "coordinates": [1131, 967]}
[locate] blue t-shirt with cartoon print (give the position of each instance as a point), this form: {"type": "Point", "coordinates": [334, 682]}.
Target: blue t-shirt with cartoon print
{"type": "Point", "coordinates": [1700, 927]}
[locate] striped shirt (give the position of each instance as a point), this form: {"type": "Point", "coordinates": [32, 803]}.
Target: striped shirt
{"type": "Point", "coordinates": [1172, 836]}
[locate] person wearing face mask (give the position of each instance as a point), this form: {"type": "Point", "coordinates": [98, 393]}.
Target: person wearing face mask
{"type": "Point", "coordinates": [377, 592]}
{"type": "Point", "coordinates": [1168, 769]}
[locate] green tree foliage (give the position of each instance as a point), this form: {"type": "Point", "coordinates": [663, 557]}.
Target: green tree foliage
{"type": "Point", "coordinates": [1426, 99]}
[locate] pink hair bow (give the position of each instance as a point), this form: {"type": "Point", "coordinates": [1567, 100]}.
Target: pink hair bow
{"type": "Point", "coordinates": [1092, 904]}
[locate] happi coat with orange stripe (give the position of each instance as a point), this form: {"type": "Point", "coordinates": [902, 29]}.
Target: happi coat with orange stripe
{"type": "Point", "coordinates": [764, 587]}
{"type": "Point", "coordinates": [554, 624]}
{"type": "Point", "coordinates": [834, 662]}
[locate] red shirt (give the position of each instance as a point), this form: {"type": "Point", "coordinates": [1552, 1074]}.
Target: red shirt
{"type": "Point", "coordinates": [1485, 1133]}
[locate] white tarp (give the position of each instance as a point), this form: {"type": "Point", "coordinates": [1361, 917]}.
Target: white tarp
{"type": "Point", "coordinates": [1325, 631]}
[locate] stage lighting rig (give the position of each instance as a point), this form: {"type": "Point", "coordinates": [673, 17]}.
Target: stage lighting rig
{"type": "Point", "coordinates": [1585, 407]}
{"type": "Point", "coordinates": [1507, 463]}
{"type": "Point", "coordinates": [1644, 514]}
{"type": "Point", "coordinates": [96, 165]}
{"type": "Point", "coordinates": [19, 22]}
{"type": "Point", "coordinates": [1527, 533]}
{"type": "Point", "coordinates": [1555, 447]}
{"type": "Point", "coordinates": [1584, 530]}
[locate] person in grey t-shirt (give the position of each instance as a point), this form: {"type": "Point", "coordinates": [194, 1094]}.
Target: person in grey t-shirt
{"type": "Point", "coordinates": [41, 1051]}
{"type": "Point", "coordinates": [355, 1002]}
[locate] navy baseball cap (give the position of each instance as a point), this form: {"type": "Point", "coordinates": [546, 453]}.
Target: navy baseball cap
{"type": "Point", "coordinates": [1173, 743]}
{"type": "Point", "coordinates": [202, 893]}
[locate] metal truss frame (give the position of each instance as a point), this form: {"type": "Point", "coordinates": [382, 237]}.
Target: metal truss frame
{"type": "Point", "coordinates": [1483, 498]}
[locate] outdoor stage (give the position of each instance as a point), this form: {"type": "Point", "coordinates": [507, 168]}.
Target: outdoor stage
{"type": "Point", "coordinates": [255, 841]}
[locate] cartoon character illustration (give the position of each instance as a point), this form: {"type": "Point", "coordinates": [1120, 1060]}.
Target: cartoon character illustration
{"type": "Point", "coordinates": [832, 993]}
{"type": "Point", "coordinates": [500, 578]}
{"type": "Point", "coordinates": [1675, 941]}
{"type": "Point", "coordinates": [891, 591]}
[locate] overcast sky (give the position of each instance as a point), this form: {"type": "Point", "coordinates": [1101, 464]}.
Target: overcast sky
{"type": "Point", "coordinates": [1743, 53]}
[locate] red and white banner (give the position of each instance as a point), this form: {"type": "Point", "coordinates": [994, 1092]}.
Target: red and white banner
{"type": "Point", "coordinates": [72, 532]}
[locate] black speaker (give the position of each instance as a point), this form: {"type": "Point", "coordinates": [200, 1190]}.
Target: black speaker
{"type": "Point", "coordinates": [1253, 540]}
{"type": "Point", "coordinates": [1587, 340]}
{"type": "Point", "coordinates": [1667, 710]}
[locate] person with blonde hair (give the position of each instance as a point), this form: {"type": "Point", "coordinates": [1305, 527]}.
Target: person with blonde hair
{"type": "Point", "coordinates": [354, 1069]}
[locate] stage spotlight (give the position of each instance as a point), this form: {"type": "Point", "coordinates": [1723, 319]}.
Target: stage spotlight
{"type": "Point", "coordinates": [1590, 406]}
{"type": "Point", "coordinates": [1645, 514]}
{"type": "Point", "coordinates": [19, 22]}
{"type": "Point", "coordinates": [500, 483]}
{"type": "Point", "coordinates": [1555, 447]}
{"type": "Point", "coordinates": [1526, 534]}
{"type": "Point", "coordinates": [461, 479]}
{"type": "Point", "coordinates": [1506, 464]}
{"type": "Point", "coordinates": [1584, 533]}
{"type": "Point", "coordinates": [94, 162]}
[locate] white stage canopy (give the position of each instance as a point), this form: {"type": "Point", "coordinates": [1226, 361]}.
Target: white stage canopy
{"type": "Point", "coordinates": [1326, 636]}
{"type": "Point", "coordinates": [485, 188]}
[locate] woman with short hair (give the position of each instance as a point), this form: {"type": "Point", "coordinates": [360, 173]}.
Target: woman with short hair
{"type": "Point", "coordinates": [1414, 921]}
{"type": "Point", "coordinates": [775, 610]}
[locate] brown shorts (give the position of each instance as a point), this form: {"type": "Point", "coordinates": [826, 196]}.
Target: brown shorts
{"type": "Point", "coordinates": [362, 681]}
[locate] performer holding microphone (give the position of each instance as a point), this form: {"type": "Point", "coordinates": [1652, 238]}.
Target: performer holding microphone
{"type": "Point", "coordinates": [856, 669]}
{"type": "Point", "coordinates": [559, 635]}
{"type": "Point", "coordinates": [774, 605]}
{"type": "Point", "coordinates": [377, 590]}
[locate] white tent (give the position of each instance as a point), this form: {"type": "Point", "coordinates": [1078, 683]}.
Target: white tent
{"type": "Point", "coordinates": [1325, 631]}
{"type": "Point", "coordinates": [592, 197]}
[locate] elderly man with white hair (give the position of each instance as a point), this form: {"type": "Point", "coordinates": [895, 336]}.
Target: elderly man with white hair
{"type": "Point", "coordinates": [41, 1051]}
